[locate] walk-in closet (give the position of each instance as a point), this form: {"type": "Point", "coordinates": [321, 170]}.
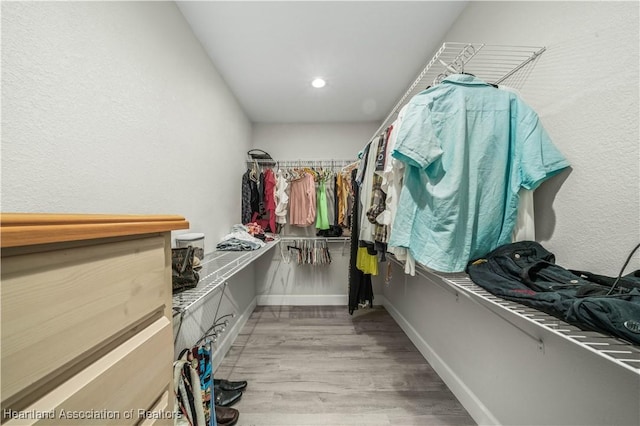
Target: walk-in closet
{"type": "Point", "coordinates": [276, 213]}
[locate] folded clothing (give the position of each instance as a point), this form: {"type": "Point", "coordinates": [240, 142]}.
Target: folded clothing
{"type": "Point", "coordinates": [235, 244]}
{"type": "Point", "coordinates": [525, 272]}
{"type": "Point", "coordinates": [239, 240]}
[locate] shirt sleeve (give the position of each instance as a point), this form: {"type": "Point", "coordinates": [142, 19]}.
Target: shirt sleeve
{"type": "Point", "coordinates": [417, 143]}
{"type": "Point", "coordinates": [539, 159]}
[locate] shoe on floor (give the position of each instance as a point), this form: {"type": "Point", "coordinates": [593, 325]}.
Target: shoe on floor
{"type": "Point", "coordinates": [226, 398]}
{"type": "Point", "coordinates": [229, 386]}
{"type": "Point", "coordinates": [226, 416]}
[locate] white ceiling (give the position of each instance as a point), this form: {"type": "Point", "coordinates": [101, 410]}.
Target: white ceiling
{"type": "Point", "coordinates": [367, 51]}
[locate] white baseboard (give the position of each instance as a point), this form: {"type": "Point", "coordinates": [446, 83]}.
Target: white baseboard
{"type": "Point", "coordinates": [467, 398]}
{"type": "Point", "coordinates": [230, 336]}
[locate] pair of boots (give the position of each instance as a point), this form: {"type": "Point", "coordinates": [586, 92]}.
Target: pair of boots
{"type": "Point", "coordinates": [226, 394]}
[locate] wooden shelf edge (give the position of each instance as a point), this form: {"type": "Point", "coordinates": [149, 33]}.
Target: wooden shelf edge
{"type": "Point", "coordinates": [24, 229]}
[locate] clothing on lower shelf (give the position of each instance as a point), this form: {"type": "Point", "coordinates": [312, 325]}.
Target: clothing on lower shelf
{"type": "Point", "coordinates": [525, 272]}
{"type": "Point", "coordinates": [239, 240]}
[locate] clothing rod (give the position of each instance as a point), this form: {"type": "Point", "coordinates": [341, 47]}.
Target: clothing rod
{"type": "Point", "coordinates": [328, 164]}
{"type": "Point", "coordinates": [329, 239]}
{"type": "Point", "coordinates": [301, 161]}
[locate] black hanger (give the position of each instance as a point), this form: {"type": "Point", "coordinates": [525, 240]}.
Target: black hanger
{"type": "Point", "coordinates": [468, 73]}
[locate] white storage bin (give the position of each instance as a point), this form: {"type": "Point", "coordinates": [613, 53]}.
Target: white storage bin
{"type": "Point", "coordinates": [195, 239]}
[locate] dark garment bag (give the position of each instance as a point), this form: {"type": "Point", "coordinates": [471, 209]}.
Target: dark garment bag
{"type": "Point", "coordinates": [618, 315]}
{"type": "Point", "coordinates": [525, 272]}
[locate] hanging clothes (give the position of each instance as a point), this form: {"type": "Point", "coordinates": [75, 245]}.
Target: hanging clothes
{"type": "Point", "coordinates": [299, 196]}
{"type": "Point", "coordinates": [270, 199]}
{"type": "Point", "coordinates": [366, 190]}
{"type": "Point", "coordinates": [188, 390]}
{"type": "Point", "coordinates": [378, 196]}
{"type": "Point", "coordinates": [340, 199]}
{"type": "Point", "coordinates": [250, 196]}
{"type": "Point", "coordinates": [468, 149]}
{"type": "Point", "coordinates": [202, 357]}
{"type": "Point", "coordinates": [246, 198]}
{"type": "Point", "coordinates": [322, 221]}
{"type": "Point", "coordinates": [346, 197]}
{"type": "Point", "coordinates": [360, 287]}
{"type": "Point", "coordinates": [330, 193]}
{"type": "Point", "coordinates": [282, 197]}
{"type": "Point", "coordinates": [304, 252]}
{"type": "Point", "coordinates": [335, 199]}
{"type": "Point", "coordinates": [302, 201]}
{"type": "Point", "coordinates": [525, 228]}
{"type": "Point", "coordinates": [392, 178]}
{"type": "Point", "coordinates": [366, 262]}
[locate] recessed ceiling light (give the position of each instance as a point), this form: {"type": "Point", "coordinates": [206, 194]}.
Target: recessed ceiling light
{"type": "Point", "coordinates": [318, 83]}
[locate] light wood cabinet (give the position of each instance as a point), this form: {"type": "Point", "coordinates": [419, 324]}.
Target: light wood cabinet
{"type": "Point", "coordinates": [86, 319]}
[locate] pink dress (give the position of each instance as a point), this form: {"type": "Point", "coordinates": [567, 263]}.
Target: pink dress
{"type": "Point", "coordinates": [270, 198]}
{"type": "Point", "coordinates": [302, 201]}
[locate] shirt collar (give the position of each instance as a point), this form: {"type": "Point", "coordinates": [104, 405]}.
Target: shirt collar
{"type": "Point", "coordinates": [465, 79]}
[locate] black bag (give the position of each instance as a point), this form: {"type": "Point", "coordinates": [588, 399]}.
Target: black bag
{"type": "Point", "coordinates": [260, 155]}
{"type": "Point", "coordinates": [183, 276]}
{"type": "Point", "coordinates": [333, 231]}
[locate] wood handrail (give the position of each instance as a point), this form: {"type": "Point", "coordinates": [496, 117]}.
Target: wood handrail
{"type": "Point", "coordinates": [24, 229]}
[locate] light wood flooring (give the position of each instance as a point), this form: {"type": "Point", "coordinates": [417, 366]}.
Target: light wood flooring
{"type": "Point", "coordinates": [318, 365]}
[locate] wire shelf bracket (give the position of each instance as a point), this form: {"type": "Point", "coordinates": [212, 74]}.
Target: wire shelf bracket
{"type": "Point", "coordinates": [534, 323]}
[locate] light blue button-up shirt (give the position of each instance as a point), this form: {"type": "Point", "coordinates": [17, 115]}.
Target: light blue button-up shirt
{"type": "Point", "coordinates": [469, 147]}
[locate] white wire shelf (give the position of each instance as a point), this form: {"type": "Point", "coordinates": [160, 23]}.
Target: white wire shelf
{"type": "Point", "coordinates": [330, 163]}
{"type": "Point", "coordinates": [327, 239]}
{"type": "Point", "coordinates": [496, 64]}
{"type": "Point", "coordinates": [217, 268]}
{"type": "Point", "coordinates": [533, 322]}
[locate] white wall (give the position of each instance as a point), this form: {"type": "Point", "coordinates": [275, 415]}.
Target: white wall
{"type": "Point", "coordinates": [283, 283]}
{"type": "Point", "coordinates": [500, 373]}
{"type": "Point", "coordinates": [287, 283]}
{"type": "Point", "coordinates": [585, 90]}
{"type": "Point", "coordinates": [114, 107]}
{"type": "Point", "coordinates": [310, 141]}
